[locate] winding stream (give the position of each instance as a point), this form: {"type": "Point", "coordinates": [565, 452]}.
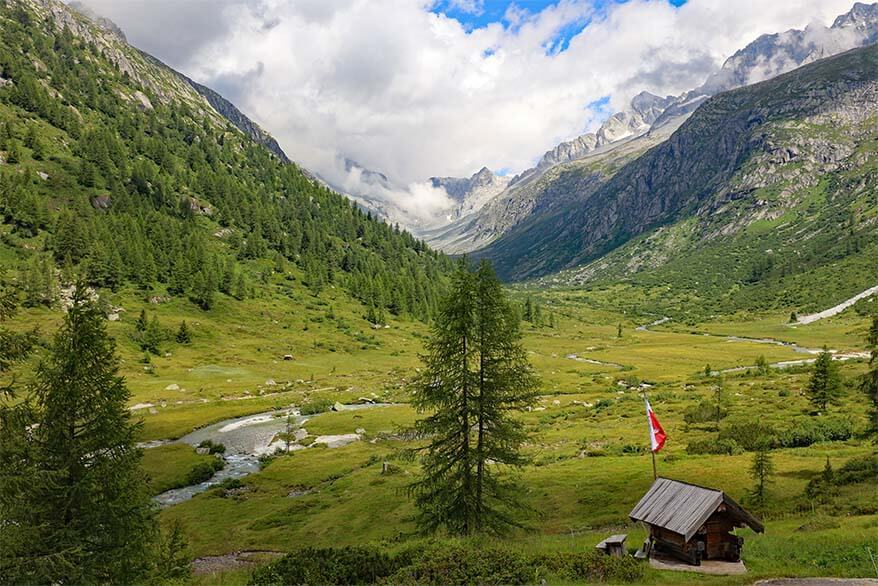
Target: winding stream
{"type": "Point", "coordinates": [836, 355]}
{"type": "Point", "coordinates": [246, 439]}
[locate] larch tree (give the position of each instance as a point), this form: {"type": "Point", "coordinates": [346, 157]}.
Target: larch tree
{"type": "Point", "coordinates": [869, 382]}
{"type": "Point", "coordinates": [506, 385]}
{"type": "Point", "coordinates": [445, 495]}
{"type": "Point", "coordinates": [79, 502]}
{"type": "Point", "coordinates": [476, 376]}
{"type": "Point", "coordinates": [824, 386]}
{"type": "Point", "coordinates": [762, 471]}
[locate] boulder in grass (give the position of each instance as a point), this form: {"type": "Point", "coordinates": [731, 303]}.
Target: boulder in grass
{"type": "Point", "coordinates": [172, 387]}
{"type": "Point", "coordinates": [338, 406]}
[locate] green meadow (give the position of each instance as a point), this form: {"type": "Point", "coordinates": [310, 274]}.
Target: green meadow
{"type": "Point", "coordinates": [589, 461]}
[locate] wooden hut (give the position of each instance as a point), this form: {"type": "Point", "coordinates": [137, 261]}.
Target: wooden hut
{"type": "Point", "coordinates": [693, 523]}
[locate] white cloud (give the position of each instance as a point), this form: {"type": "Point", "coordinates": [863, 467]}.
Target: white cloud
{"type": "Point", "coordinates": [413, 94]}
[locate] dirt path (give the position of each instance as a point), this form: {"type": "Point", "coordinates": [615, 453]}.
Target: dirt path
{"type": "Point", "coordinates": [231, 561]}
{"type": "Point", "coordinates": [818, 582]}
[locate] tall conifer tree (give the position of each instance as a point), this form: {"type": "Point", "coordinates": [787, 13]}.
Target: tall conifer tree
{"type": "Point", "coordinates": [82, 512]}
{"type": "Point", "coordinates": [476, 376]}
{"type": "Point", "coordinates": [869, 382]}
{"type": "Point", "coordinates": [824, 386]}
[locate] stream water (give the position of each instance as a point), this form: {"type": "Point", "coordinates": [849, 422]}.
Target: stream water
{"type": "Point", "coordinates": [246, 439]}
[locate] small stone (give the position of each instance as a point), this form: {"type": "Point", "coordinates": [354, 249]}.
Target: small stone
{"type": "Point", "coordinates": [338, 407]}
{"type": "Point", "coordinates": [360, 431]}
{"type": "Point", "coordinates": [172, 387]}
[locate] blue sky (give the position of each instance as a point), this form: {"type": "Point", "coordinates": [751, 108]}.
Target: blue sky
{"type": "Point", "coordinates": [479, 13]}
{"type": "Point", "coordinates": [489, 11]}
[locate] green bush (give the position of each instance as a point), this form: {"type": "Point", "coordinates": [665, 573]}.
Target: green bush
{"type": "Point", "coordinates": [313, 566]}
{"type": "Point", "coordinates": [591, 567]}
{"type": "Point", "coordinates": [441, 563]}
{"type": "Point", "coordinates": [214, 448]}
{"type": "Point", "coordinates": [810, 431]}
{"type": "Point", "coordinates": [315, 407]}
{"type": "Point", "coordinates": [725, 446]}
{"type": "Point", "coordinates": [203, 471]}
{"type": "Point", "coordinates": [750, 435]}
{"type": "Point", "coordinates": [704, 412]}
{"type": "Point", "coordinates": [458, 564]}
{"type": "Point", "coordinates": [857, 470]}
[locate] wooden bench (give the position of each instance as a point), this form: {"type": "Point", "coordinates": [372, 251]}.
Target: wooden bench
{"type": "Point", "coordinates": [614, 545]}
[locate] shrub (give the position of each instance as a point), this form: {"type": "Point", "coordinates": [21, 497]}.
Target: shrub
{"type": "Point", "coordinates": [750, 435]}
{"type": "Point", "coordinates": [442, 563]}
{"type": "Point", "coordinates": [809, 431]}
{"type": "Point", "coordinates": [214, 448]}
{"type": "Point", "coordinates": [704, 412]}
{"type": "Point", "coordinates": [724, 446]}
{"type": "Point", "coordinates": [203, 471]}
{"type": "Point", "coordinates": [864, 469]}
{"type": "Point", "coordinates": [591, 567]}
{"type": "Point", "coordinates": [344, 565]}
{"type": "Point", "coordinates": [315, 407]}
{"type": "Point", "coordinates": [819, 523]}
{"type": "Point", "coordinates": [231, 484]}
{"type": "Point", "coordinates": [457, 564]}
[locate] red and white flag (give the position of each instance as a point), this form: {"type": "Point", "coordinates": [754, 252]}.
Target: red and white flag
{"type": "Point", "coordinates": [657, 435]}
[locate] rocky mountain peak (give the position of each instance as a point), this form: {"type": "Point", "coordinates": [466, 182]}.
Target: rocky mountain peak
{"type": "Point", "coordinates": [484, 177]}
{"type": "Point", "coordinates": [863, 17]}
{"type": "Point", "coordinates": [650, 106]}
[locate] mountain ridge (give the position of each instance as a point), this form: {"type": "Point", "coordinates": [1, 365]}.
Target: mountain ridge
{"type": "Point", "coordinates": [794, 152]}
{"type": "Point", "coordinates": [764, 58]}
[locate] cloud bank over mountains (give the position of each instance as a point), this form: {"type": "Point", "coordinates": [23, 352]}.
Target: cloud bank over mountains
{"type": "Point", "coordinates": [407, 90]}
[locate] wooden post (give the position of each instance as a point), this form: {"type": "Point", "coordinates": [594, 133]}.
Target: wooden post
{"type": "Point", "coordinates": [654, 472]}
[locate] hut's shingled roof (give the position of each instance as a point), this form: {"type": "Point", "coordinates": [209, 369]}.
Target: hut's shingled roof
{"type": "Point", "coordinates": [683, 508]}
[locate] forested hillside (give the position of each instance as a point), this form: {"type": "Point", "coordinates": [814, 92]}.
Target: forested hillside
{"type": "Point", "coordinates": [115, 165]}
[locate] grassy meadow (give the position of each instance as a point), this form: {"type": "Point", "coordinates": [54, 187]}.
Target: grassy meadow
{"type": "Point", "coordinates": [588, 446]}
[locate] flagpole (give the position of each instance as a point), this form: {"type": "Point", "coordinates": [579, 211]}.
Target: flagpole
{"type": "Point", "coordinates": [649, 434]}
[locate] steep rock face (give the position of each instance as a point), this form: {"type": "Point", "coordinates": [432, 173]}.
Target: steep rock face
{"type": "Point", "coordinates": [644, 109]}
{"type": "Point", "coordinates": [470, 194]}
{"type": "Point", "coordinates": [722, 153]}
{"type": "Point", "coordinates": [231, 113]}
{"type": "Point", "coordinates": [556, 187]}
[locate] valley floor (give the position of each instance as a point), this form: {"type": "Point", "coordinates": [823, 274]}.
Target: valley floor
{"type": "Point", "coordinates": [589, 461]}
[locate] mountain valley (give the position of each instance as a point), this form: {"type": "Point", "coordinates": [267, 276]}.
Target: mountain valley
{"type": "Point", "coordinates": [277, 338]}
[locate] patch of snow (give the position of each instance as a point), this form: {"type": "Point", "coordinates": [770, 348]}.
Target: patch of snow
{"type": "Point", "coordinates": [833, 311]}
